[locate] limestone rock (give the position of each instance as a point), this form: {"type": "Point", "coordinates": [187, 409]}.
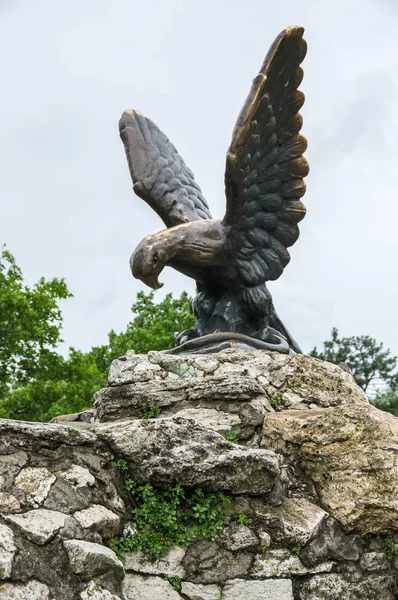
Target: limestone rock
{"type": "Point", "coordinates": [331, 543]}
{"type": "Point", "coordinates": [206, 562]}
{"type": "Point", "coordinates": [90, 559]}
{"type": "Point", "coordinates": [215, 420]}
{"type": "Point", "coordinates": [8, 503]}
{"type": "Point", "coordinates": [274, 589]}
{"type": "Point", "coordinates": [294, 522]}
{"type": "Point", "coordinates": [78, 476]}
{"type": "Point", "coordinates": [374, 561]}
{"type": "Point", "coordinates": [34, 483]}
{"type": "Point", "coordinates": [282, 563]}
{"type": "Point", "coordinates": [96, 592]}
{"type": "Point", "coordinates": [148, 588]}
{"type": "Point", "coordinates": [334, 587]}
{"type": "Point", "coordinates": [168, 451]}
{"type": "Point", "coordinates": [237, 537]}
{"type": "Point", "coordinates": [100, 519]}
{"type": "Point", "coordinates": [333, 444]}
{"type": "Point", "coordinates": [196, 591]}
{"type": "Point", "coordinates": [33, 590]}
{"type": "Point", "coordinates": [167, 565]}
{"type": "Point", "coordinates": [39, 525]}
{"type": "Point", "coordinates": [7, 551]}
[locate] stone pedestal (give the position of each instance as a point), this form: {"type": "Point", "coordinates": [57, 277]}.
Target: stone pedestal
{"type": "Point", "coordinates": [292, 440]}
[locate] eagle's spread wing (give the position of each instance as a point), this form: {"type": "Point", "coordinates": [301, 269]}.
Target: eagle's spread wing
{"type": "Point", "coordinates": [265, 165]}
{"type": "Point", "coordinates": [159, 174]}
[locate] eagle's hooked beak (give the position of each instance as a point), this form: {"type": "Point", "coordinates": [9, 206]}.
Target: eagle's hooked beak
{"type": "Point", "coordinates": [152, 281]}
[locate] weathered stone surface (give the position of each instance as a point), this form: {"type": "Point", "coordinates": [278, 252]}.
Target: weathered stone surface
{"type": "Point", "coordinates": [298, 381]}
{"type": "Point", "coordinates": [100, 519]}
{"type": "Point", "coordinates": [374, 561]}
{"type": "Point", "coordinates": [90, 559]}
{"type": "Point", "coordinates": [212, 419]}
{"type": "Point", "coordinates": [237, 537]}
{"type": "Point", "coordinates": [167, 565]}
{"type": "Point", "coordinates": [196, 591]}
{"type": "Point", "coordinates": [332, 543]}
{"type": "Point", "coordinates": [34, 484]}
{"type": "Point", "coordinates": [294, 522]}
{"type": "Point", "coordinates": [39, 525]}
{"type": "Point", "coordinates": [206, 562]}
{"type": "Point", "coordinates": [8, 503]}
{"type": "Point", "coordinates": [333, 444]}
{"type": "Point", "coordinates": [96, 592]}
{"type": "Point", "coordinates": [36, 435]}
{"type": "Point", "coordinates": [33, 590]}
{"type": "Point", "coordinates": [168, 451]}
{"type": "Point", "coordinates": [334, 587]}
{"type": "Point", "coordinates": [78, 476]}
{"type": "Point", "coordinates": [282, 563]}
{"type": "Point", "coordinates": [7, 551]}
{"type": "Point", "coordinates": [273, 589]}
{"type": "Point", "coordinates": [148, 588]}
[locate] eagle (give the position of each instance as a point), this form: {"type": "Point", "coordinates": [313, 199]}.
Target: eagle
{"type": "Point", "coordinates": [230, 259]}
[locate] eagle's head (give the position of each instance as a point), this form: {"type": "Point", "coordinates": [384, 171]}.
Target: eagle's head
{"type": "Point", "coordinates": [148, 261]}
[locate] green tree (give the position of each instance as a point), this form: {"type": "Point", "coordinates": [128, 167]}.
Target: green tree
{"type": "Point", "coordinates": [152, 328]}
{"type": "Point", "coordinates": [372, 365]}
{"type": "Point", "coordinates": [30, 324]}
{"type": "Point", "coordinates": [387, 401]}
{"type": "Point", "coordinates": [67, 387]}
{"type": "Point", "coordinates": [37, 383]}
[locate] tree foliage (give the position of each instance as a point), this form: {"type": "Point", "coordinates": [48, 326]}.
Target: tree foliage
{"type": "Point", "coordinates": [36, 382]}
{"type": "Point", "coordinates": [371, 364]}
{"type": "Point", "coordinates": [30, 324]}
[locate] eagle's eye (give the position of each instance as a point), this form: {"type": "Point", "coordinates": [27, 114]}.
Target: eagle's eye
{"type": "Point", "coordinates": [155, 260]}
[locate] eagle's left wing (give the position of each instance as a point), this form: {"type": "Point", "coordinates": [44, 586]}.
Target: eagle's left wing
{"type": "Point", "coordinates": [159, 174]}
{"type": "Point", "coordinates": [265, 165]}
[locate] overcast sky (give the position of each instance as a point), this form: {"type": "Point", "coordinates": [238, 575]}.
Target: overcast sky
{"type": "Point", "coordinates": [70, 67]}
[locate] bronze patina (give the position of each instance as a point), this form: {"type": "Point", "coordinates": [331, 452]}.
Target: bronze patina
{"type": "Point", "coordinates": [233, 258]}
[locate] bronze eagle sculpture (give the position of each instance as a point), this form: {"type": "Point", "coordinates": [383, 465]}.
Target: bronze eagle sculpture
{"type": "Point", "coordinates": [233, 258]}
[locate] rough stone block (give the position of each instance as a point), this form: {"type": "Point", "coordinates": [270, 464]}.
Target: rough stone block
{"type": "Point", "coordinates": [7, 551]}
{"type": "Point", "coordinates": [167, 565]}
{"type": "Point", "coordinates": [33, 590]}
{"type": "Point", "coordinates": [90, 559]}
{"type": "Point", "coordinates": [169, 451]}
{"type": "Point", "coordinates": [100, 519]}
{"type": "Point", "coordinates": [273, 589]}
{"type": "Point", "coordinates": [39, 525]}
{"type": "Point", "coordinates": [148, 588]}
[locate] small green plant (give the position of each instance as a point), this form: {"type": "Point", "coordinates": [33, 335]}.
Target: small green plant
{"type": "Point", "coordinates": [296, 550]}
{"type": "Point", "coordinates": [148, 411]}
{"type": "Point", "coordinates": [175, 582]}
{"type": "Point", "coordinates": [391, 548]}
{"type": "Point", "coordinates": [263, 548]}
{"type": "Point", "coordinates": [121, 464]}
{"type": "Point", "coordinates": [232, 436]}
{"type": "Point", "coordinates": [169, 518]}
{"type": "Point", "coordinates": [275, 402]}
{"type": "Point", "coordinates": [243, 519]}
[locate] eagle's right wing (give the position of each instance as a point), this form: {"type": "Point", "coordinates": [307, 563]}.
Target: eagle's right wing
{"type": "Point", "coordinates": [159, 174]}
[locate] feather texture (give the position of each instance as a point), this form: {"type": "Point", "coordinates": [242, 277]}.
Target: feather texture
{"type": "Point", "coordinates": [265, 164]}
{"type": "Point", "coordinates": [159, 174]}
